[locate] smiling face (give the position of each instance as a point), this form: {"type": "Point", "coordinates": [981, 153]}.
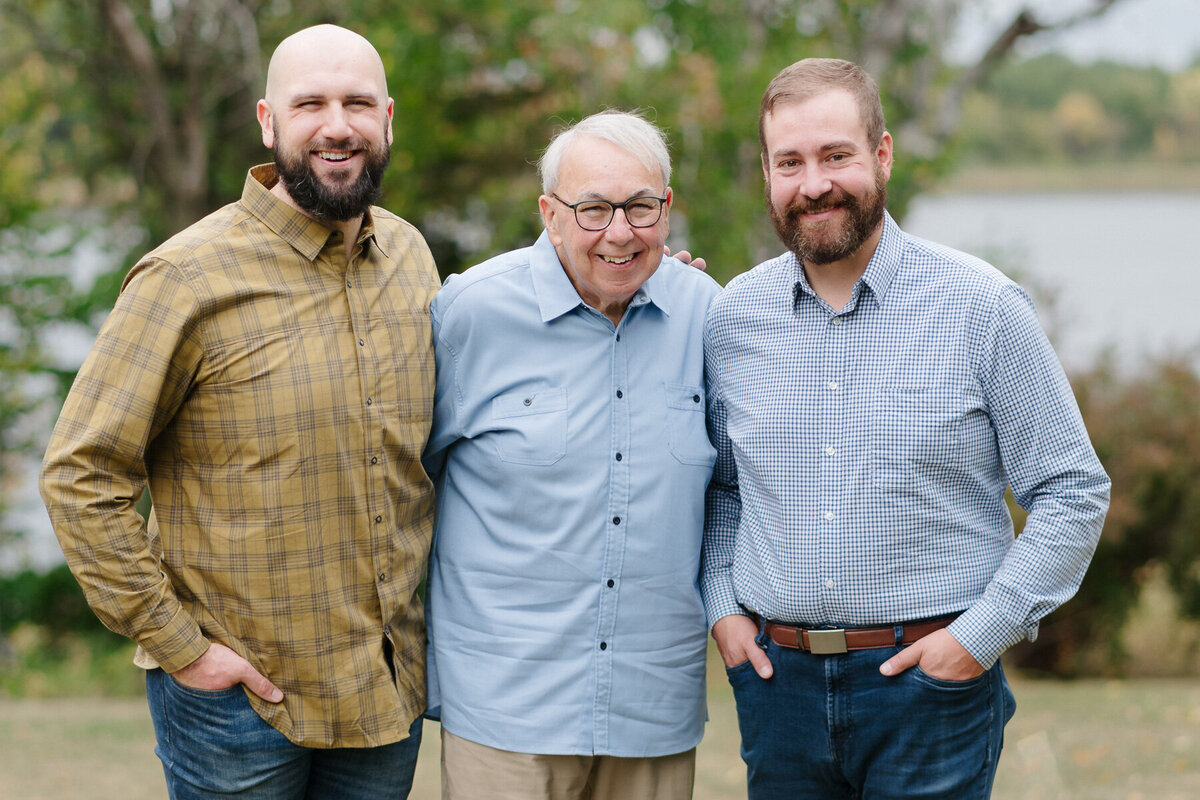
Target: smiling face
{"type": "Point", "coordinates": [826, 184]}
{"type": "Point", "coordinates": [606, 267]}
{"type": "Point", "coordinates": [327, 119]}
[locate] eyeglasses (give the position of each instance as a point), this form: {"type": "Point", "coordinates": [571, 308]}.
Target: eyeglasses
{"type": "Point", "coordinates": [596, 215]}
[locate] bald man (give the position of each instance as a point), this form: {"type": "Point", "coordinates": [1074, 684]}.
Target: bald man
{"type": "Point", "coordinates": [268, 374]}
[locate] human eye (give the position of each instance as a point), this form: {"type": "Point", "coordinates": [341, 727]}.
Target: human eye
{"type": "Point", "coordinates": [642, 209]}
{"type": "Point", "coordinates": [594, 211]}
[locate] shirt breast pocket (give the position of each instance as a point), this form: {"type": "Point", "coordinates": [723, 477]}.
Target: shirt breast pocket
{"type": "Point", "coordinates": [915, 437]}
{"type": "Point", "coordinates": [687, 435]}
{"type": "Point", "coordinates": [530, 427]}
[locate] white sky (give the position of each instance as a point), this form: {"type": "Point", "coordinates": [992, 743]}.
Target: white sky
{"type": "Point", "coordinates": [1165, 33]}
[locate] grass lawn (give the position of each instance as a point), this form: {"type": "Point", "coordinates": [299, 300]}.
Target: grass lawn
{"type": "Point", "coordinates": [1084, 740]}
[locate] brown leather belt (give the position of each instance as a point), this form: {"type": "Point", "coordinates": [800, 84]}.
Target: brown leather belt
{"type": "Point", "coordinates": [829, 641]}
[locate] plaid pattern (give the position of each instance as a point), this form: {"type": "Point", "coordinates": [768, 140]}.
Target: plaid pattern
{"type": "Point", "coordinates": [277, 400]}
{"type": "Point", "coordinates": [862, 456]}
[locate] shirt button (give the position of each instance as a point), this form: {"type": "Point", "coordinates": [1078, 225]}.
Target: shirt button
{"type": "Point", "coordinates": [528, 401]}
{"type": "Point", "coordinates": [604, 645]}
{"type": "Point", "coordinates": [833, 385]}
{"type": "Point", "coordinates": [619, 456]}
{"type": "Point", "coordinates": [374, 460]}
{"type": "Point", "coordinates": [370, 401]}
{"type": "Point", "coordinates": [695, 398]}
{"type": "Point", "coordinates": [383, 576]}
{"type": "Point", "coordinates": [620, 394]}
{"type": "Point", "coordinates": [836, 321]}
{"type": "Point", "coordinates": [828, 583]}
{"type": "Point", "coordinates": [379, 519]}
{"type": "Point", "coordinates": [616, 520]}
{"type": "Point", "coordinates": [361, 343]}
{"type": "Point", "coordinates": [829, 451]}
{"type": "Point", "coordinates": [829, 516]}
{"type": "Point", "coordinates": [611, 583]}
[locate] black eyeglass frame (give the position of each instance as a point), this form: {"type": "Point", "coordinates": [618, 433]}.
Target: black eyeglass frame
{"type": "Point", "coordinates": [612, 207]}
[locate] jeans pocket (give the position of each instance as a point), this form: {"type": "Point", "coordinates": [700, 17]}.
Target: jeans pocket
{"type": "Point", "coordinates": [969, 685]}
{"type": "Point", "coordinates": [205, 694]}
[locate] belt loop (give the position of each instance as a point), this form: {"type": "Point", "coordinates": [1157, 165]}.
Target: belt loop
{"type": "Point", "coordinates": [898, 632]}
{"type": "Point", "coordinates": [761, 638]}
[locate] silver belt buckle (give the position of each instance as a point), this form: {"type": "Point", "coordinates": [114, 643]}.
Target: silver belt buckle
{"type": "Point", "coordinates": [827, 642]}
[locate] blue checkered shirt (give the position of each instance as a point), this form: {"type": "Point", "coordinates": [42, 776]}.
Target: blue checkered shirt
{"type": "Point", "coordinates": [863, 454]}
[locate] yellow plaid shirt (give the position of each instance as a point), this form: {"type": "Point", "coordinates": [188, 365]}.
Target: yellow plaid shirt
{"type": "Point", "coordinates": [277, 398]}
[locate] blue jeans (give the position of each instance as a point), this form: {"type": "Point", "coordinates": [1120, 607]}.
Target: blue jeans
{"type": "Point", "coordinates": [213, 744]}
{"type": "Point", "coordinates": [834, 728]}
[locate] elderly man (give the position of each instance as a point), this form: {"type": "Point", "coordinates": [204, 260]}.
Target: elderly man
{"type": "Point", "coordinates": [567, 636]}
{"type": "Point", "coordinates": [269, 373]}
{"type": "Point", "coordinates": [872, 395]}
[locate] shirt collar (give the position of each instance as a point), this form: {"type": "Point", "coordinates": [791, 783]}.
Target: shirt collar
{"type": "Point", "coordinates": [556, 294]}
{"type": "Point", "coordinates": [881, 269]}
{"type": "Point", "coordinates": [307, 236]}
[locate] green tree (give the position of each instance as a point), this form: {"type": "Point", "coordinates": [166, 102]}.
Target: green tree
{"type": "Point", "coordinates": [125, 120]}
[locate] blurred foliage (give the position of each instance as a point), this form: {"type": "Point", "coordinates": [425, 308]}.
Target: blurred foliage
{"type": "Point", "coordinates": [126, 120]}
{"type": "Point", "coordinates": [51, 644]}
{"type": "Point", "coordinates": [1049, 108]}
{"type": "Point", "coordinates": [1146, 430]}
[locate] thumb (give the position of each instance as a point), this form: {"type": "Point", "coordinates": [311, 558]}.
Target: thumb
{"type": "Point", "coordinates": [760, 662]}
{"type": "Point", "coordinates": [906, 658]}
{"type": "Point", "coordinates": [262, 687]}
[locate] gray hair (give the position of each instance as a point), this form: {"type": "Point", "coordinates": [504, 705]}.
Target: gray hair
{"type": "Point", "coordinates": [627, 130]}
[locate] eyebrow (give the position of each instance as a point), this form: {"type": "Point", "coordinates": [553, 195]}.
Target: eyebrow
{"type": "Point", "coordinates": [643, 192]}
{"type": "Point", "coordinates": [845, 144]}
{"type": "Point", "coordinates": [305, 97]}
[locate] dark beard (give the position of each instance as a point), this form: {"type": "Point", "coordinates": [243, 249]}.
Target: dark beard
{"type": "Point", "coordinates": [812, 248]}
{"type": "Point", "coordinates": [337, 202]}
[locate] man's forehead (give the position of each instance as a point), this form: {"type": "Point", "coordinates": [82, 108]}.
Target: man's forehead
{"type": "Point", "coordinates": [325, 61]}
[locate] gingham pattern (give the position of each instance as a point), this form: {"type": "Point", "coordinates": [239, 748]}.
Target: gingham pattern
{"type": "Point", "coordinates": [277, 398]}
{"type": "Point", "coordinates": [863, 455]}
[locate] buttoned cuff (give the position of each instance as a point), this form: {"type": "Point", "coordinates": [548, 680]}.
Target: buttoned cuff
{"type": "Point", "coordinates": [176, 644]}
{"type": "Point", "coordinates": [719, 598]}
{"type": "Point", "coordinates": [986, 633]}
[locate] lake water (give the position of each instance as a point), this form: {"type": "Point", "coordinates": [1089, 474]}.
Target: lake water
{"type": "Point", "coordinates": [1112, 271]}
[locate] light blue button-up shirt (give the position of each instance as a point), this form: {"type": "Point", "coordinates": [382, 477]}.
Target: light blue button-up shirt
{"type": "Point", "coordinates": [863, 454]}
{"type": "Point", "coordinates": [571, 459]}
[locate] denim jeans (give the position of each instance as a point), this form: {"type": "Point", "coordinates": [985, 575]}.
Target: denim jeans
{"type": "Point", "coordinates": [834, 728]}
{"type": "Point", "coordinates": [213, 744]}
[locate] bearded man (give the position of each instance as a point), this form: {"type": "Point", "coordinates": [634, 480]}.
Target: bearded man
{"type": "Point", "coordinates": [871, 396]}
{"type": "Point", "coordinates": [269, 374]}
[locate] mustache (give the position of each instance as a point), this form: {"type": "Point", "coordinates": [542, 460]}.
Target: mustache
{"type": "Point", "coordinates": [826, 202]}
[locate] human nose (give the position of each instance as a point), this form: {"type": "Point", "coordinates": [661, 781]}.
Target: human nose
{"type": "Point", "coordinates": [619, 229]}
{"type": "Point", "coordinates": [815, 182]}
{"type": "Point", "coordinates": [336, 123]}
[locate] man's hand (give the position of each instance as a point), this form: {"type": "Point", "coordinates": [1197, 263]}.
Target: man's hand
{"type": "Point", "coordinates": [219, 668]}
{"type": "Point", "coordinates": [939, 655]}
{"type": "Point", "coordinates": [686, 257]}
{"type": "Point", "coordinates": [735, 640]}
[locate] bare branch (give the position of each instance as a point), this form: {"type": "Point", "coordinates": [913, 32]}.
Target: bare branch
{"type": "Point", "coordinates": [136, 46]}
{"type": "Point", "coordinates": [1023, 25]}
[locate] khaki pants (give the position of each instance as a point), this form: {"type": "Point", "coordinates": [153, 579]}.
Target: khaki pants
{"type": "Point", "coordinates": [473, 771]}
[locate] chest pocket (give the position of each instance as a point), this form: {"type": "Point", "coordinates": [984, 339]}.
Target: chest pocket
{"type": "Point", "coordinates": [687, 435]}
{"type": "Point", "coordinates": [530, 427]}
{"type": "Point", "coordinates": [916, 436]}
